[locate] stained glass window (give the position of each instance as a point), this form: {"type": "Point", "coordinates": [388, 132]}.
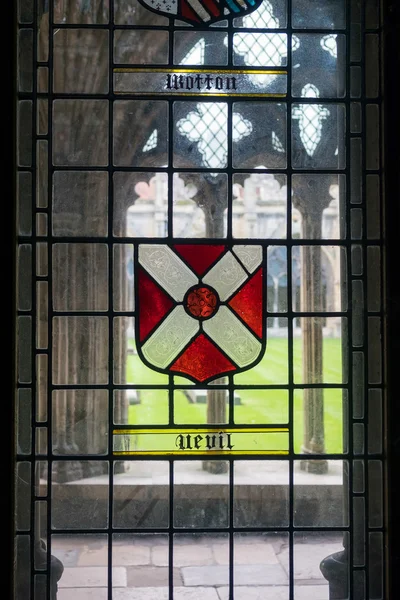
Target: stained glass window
{"type": "Point", "coordinates": [200, 377]}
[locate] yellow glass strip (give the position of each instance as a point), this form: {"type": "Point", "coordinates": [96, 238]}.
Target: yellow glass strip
{"type": "Point", "coordinates": [216, 71]}
{"type": "Point", "coordinates": [206, 452]}
{"type": "Point", "coordinates": [178, 441]}
{"type": "Point", "coordinates": [214, 430]}
{"type": "Point", "coordinates": [176, 93]}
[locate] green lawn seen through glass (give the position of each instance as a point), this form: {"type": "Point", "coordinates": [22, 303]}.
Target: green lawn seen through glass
{"type": "Point", "coordinates": [258, 406]}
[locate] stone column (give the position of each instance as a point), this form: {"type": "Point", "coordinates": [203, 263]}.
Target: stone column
{"type": "Point", "coordinates": [276, 302]}
{"type": "Point", "coordinates": [216, 413]}
{"type": "Point", "coordinates": [311, 200]}
{"type": "Point", "coordinates": [71, 259]}
{"type": "Point", "coordinates": [159, 206]}
{"type": "Point", "coordinates": [216, 399]}
{"type": "Point", "coordinates": [121, 324]}
{"type": "Point", "coordinates": [250, 211]}
{"type": "Point", "coordinates": [335, 567]}
{"type": "Point", "coordinates": [121, 402]}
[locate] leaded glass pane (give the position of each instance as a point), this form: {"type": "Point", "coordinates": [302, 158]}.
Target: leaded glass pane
{"type": "Point", "coordinates": [200, 309]}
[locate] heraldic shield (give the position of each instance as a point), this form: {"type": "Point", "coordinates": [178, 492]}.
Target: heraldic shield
{"type": "Point", "coordinates": [201, 12]}
{"type": "Point", "coordinates": [200, 308]}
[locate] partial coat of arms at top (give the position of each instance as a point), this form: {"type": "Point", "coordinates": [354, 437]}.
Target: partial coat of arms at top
{"type": "Point", "coordinates": [202, 12]}
{"type": "Point", "coordinates": [200, 308]}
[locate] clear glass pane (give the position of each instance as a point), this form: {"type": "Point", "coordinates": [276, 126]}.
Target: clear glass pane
{"type": "Point", "coordinates": [318, 133]}
{"type": "Point", "coordinates": [199, 205]}
{"type": "Point", "coordinates": [93, 12]}
{"type": "Point", "coordinates": [24, 416]}
{"type": "Point", "coordinates": [80, 132]}
{"type": "Point", "coordinates": [80, 277]}
{"type": "Point", "coordinates": [24, 129]}
{"type": "Point", "coordinates": [260, 49]}
{"type": "Point", "coordinates": [317, 284]}
{"type": "Point", "coordinates": [271, 14]}
{"type": "Point", "coordinates": [318, 206]}
{"type": "Point", "coordinates": [134, 124]}
{"type": "Point", "coordinates": [127, 13]}
{"type": "Point", "coordinates": [123, 293]}
{"type": "Point", "coordinates": [24, 357]}
{"type": "Point", "coordinates": [23, 567]}
{"type": "Point", "coordinates": [310, 549]}
{"type": "Point", "coordinates": [319, 505]}
{"type": "Point", "coordinates": [73, 415]}
{"type": "Point", "coordinates": [200, 562]}
{"type": "Point", "coordinates": [192, 506]}
{"type": "Point", "coordinates": [322, 15]}
{"type": "Point", "coordinates": [25, 51]}
{"type": "Point", "coordinates": [250, 505]}
{"type": "Point", "coordinates": [200, 134]}
{"type": "Point", "coordinates": [22, 496]}
{"type": "Point", "coordinates": [200, 48]}
{"type": "Point", "coordinates": [74, 212]}
{"type": "Point", "coordinates": [85, 46]}
{"type": "Point", "coordinates": [85, 560]}
{"type": "Point", "coordinates": [141, 200]}
{"type": "Point", "coordinates": [144, 407]}
{"type": "Point", "coordinates": [259, 206]}
{"type": "Point", "coordinates": [144, 559]}
{"type": "Point", "coordinates": [25, 11]}
{"type": "Point", "coordinates": [324, 431]}
{"type": "Point", "coordinates": [255, 144]}
{"type": "Point", "coordinates": [327, 70]}
{"type": "Point", "coordinates": [80, 350]}
{"type": "Point", "coordinates": [321, 360]}
{"type": "Point", "coordinates": [259, 566]}
{"type": "Point", "coordinates": [84, 506]}
{"type": "Point", "coordinates": [143, 499]}
{"type": "Point", "coordinates": [259, 406]}
{"type": "Point", "coordinates": [24, 258]}
{"type": "Point", "coordinates": [137, 47]}
{"type": "Point", "coordinates": [24, 203]}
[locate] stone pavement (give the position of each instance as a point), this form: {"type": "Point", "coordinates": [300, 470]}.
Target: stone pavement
{"type": "Point", "coordinates": [140, 566]}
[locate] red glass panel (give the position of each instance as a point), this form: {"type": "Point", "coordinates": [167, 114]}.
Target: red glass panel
{"type": "Point", "coordinates": [202, 360]}
{"type": "Point", "coordinates": [199, 257]}
{"type": "Point", "coordinates": [153, 304]}
{"type": "Point", "coordinates": [247, 303]}
{"type": "Point", "coordinates": [212, 7]}
{"type": "Point", "coordinates": [188, 13]}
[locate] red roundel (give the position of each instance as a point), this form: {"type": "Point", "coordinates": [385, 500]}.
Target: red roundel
{"type": "Point", "coordinates": [201, 302]}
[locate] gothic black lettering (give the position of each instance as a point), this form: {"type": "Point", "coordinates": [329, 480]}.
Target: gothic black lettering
{"type": "Point", "coordinates": [200, 82]}
{"type": "Point", "coordinates": [210, 441]}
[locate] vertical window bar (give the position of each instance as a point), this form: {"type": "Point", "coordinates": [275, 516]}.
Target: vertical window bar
{"type": "Point", "coordinates": [34, 311]}
{"type": "Point", "coordinates": [111, 283]}
{"type": "Point", "coordinates": [364, 282]}
{"type": "Point", "coordinates": [170, 234]}
{"type": "Point", "coordinates": [379, 14]}
{"type": "Point", "coordinates": [347, 205]}
{"type": "Point", "coordinates": [231, 534]}
{"type": "Point", "coordinates": [171, 530]}
{"type": "Point", "coordinates": [50, 293]}
{"type": "Point", "coordinates": [289, 180]}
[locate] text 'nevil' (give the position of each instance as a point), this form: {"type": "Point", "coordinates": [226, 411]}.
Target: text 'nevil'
{"type": "Point", "coordinates": [210, 441]}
